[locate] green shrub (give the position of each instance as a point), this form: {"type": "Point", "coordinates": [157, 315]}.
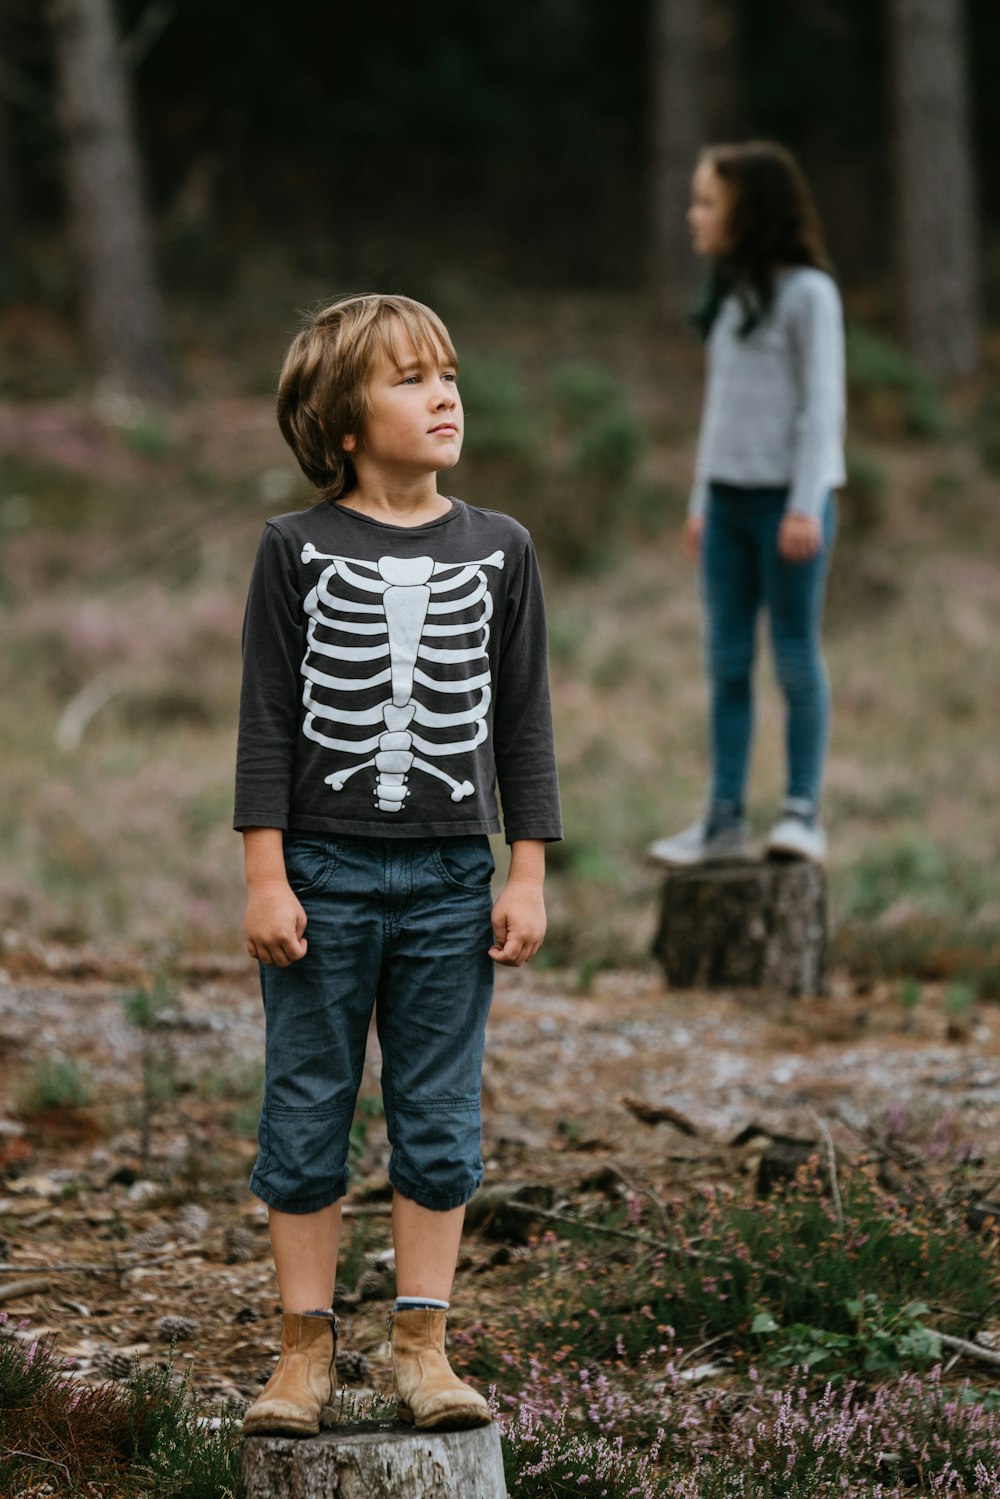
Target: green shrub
{"type": "Point", "coordinates": [876, 365]}
{"type": "Point", "coordinates": [56, 1083]}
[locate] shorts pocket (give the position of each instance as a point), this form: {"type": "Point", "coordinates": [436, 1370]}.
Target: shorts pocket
{"type": "Point", "coordinates": [310, 863]}
{"type": "Point", "coordinates": [465, 863]}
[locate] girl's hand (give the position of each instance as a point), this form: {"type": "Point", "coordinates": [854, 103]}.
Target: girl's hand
{"type": "Point", "coordinates": [693, 527]}
{"type": "Point", "coordinates": [275, 922]}
{"type": "Point", "coordinates": [799, 538]}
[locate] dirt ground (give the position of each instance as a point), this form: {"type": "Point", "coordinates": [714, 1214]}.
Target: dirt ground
{"type": "Point", "coordinates": [658, 1090]}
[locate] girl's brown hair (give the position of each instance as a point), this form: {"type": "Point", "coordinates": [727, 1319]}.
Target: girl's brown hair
{"type": "Point", "coordinates": [772, 222]}
{"type": "Point", "coordinates": [322, 388]}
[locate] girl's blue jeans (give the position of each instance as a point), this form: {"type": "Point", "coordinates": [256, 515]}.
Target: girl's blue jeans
{"type": "Point", "coordinates": [400, 926]}
{"type": "Point", "coordinates": [743, 574]}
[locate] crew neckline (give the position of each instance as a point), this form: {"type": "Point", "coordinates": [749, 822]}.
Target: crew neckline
{"type": "Point", "coordinates": [457, 506]}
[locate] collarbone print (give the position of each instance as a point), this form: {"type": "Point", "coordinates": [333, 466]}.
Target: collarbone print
{"type": "Point", "coordinates": [399, 607]}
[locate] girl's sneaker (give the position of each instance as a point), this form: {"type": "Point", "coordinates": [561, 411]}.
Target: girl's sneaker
{"type": "Point", "coordinates": [702, 844]}
{"type": "Point", "coordinates": [797, 838]}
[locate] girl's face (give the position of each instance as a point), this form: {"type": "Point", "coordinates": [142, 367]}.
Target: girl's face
{"type": "Point", "coordinates": [708, 216]}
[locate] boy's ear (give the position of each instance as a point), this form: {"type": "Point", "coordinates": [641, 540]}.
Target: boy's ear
{"type": "Point", "coordinates": [350, 443]}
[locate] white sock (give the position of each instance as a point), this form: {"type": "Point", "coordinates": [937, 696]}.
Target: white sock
{"type": "Point", "coordinates": [414, 1303]}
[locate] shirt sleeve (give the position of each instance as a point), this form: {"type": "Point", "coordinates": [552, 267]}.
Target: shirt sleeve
{"type": "Point", "coordinates": [817, 338]}
{"type": "Point", "coordinates": [273, 647]}
{"type": "Point", "coordinates": [523, 740]}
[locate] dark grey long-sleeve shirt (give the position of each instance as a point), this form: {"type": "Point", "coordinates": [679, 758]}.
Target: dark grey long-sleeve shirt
{"type": "Point", "coordinates": [394, 677]}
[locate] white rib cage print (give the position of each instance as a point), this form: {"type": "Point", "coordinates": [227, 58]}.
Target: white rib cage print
{"type": "Point", "coordinates": [419, 601]}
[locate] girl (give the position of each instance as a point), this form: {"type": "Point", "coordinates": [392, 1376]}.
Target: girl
{"type": "Point", "coordinates": [762, 515]}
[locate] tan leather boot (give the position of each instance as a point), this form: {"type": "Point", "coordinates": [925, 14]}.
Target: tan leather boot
{"type": "Point", "coordinates": [298, 1397]}
{"type": "Point", "coordinates": [429, 1394]}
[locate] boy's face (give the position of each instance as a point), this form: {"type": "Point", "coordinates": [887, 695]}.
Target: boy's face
{"type": "Point", "coordinates": [415, 420]}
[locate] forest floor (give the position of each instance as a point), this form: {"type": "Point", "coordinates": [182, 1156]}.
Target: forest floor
{"type": "Point", "coordinates": [627, 1088]}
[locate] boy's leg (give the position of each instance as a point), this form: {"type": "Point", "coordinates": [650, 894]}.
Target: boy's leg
{"type": "Point", "coordinates": [435, 995]}
{"type": "Point", "coordinates": [317, 1013]}
{"type": "Point", "coordinates": [427, 1245]}
{"type": "Point", "coordinates": [305, 1247]}
{"type": "Point", "coordinates": [732, 590]}
{"type": "Point", "coordinates": [795, 598]}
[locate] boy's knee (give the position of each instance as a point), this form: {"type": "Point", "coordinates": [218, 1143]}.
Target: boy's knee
{"type": "Point", "coordinates": [301, 1164]}
{"type": "Point", "coordinates": [436, 1157]}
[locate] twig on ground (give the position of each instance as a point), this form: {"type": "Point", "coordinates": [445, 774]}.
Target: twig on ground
{"type": "Point", "coordinates": [693, 1352]}
{"type": "Point", "coordinates": [831, 1152]}
{"type": "Point", "coordinates": [18, 1288]}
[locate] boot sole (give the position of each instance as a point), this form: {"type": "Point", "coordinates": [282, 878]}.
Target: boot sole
{"type": "Point", "coordinates": [279, 1428]}
{"type": "Point", "coordinates": [461, 1419]}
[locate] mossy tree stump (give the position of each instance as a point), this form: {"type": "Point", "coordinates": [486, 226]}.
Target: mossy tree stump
{"type": "Point", "coordinates": [374, 1460]}
{"type": "Point", "coordinates": [758, 925]}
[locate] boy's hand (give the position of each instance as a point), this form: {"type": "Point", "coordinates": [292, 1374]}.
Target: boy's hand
{"type": "Point", "coordinates": [274, 924]}
{"type": "Point", "coordinates": [518, 924]}
{"type": "Point", "coordinates": [799, 537]}
{"type": "Point", "coordinates": [519, 915]}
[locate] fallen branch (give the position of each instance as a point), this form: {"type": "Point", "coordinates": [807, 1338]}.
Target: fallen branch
{"type": "Point", "coordinates": [29, 1287]}
{"type": "Point", "coordinates": [549, 1216]}
{"type": "Point", "coordinates": [968, 1350]}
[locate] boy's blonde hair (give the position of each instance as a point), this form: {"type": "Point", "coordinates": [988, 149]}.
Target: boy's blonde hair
{"type": "Point", "coordinates": [322, 389]}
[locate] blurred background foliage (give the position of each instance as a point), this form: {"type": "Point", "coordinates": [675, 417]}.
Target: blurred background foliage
{"type": "Point", "coordinates": [505, 167]}
{"type": "Point", "coordinates": [385, 143]}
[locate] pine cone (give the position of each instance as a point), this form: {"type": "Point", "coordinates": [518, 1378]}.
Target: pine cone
{"type": "Point", "coordinates": [238, 1244]}
{"type": "Point", "coordinates": [374, 1285]}
{"type": "Point", "coordinates": [353, 1367]}
{"type": "Point", "coordinates": [176, 1329]}
{"type": "Point", "coordinates": [111, 1363]}
{"type": "Point", "coordinates": [230, 1398]}
{"type": "Point", "coordinates": [247, 1314]}
{"type": "Point", "coordinates": [153, 1237]}
{"type": "Point", "coordinates": [192, 1221]}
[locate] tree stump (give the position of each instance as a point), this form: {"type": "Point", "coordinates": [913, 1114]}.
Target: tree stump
{"type": "Point", "coordinates": [374, 1460]}
{"type": "Point", "coordinates": [759, 925]}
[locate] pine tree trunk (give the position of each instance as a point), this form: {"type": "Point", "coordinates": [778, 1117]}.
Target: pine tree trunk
{"type": "Point", "coordinates": [936, 247]}
{"type": "Point", "coordinates": [8, 184]}
{"type": "Point", "coordinates": [120, 302]}
{"type": "Point", "coordinates": [676, 136]}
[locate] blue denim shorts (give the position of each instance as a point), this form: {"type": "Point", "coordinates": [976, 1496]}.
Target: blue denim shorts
{"type": "Point", "coordinates": [401, 926]}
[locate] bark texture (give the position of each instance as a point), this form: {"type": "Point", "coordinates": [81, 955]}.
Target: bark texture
{"type": "Point", "coordinates": [375, 1461]}
{"type": "Point", "coordinates": [745, 926]}
{"type": "Point", "coordinates": [676, 135]}
{"type": "Point", "coordinates": [936, 212]}
{"type": "Point", "coordinates": [119, 298]}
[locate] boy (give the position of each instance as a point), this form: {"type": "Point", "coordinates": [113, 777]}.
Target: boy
{"type": "Point", "coordinates": [394, 671]}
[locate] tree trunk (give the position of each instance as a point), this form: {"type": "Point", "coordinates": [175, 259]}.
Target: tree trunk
{"type": "Point", "coordinates": [8, 180]}
{"type": "Point", "coordinates": [120, 302]}
{"type": "Point", "coordinates": [677, 44]}
{"type": "Point", "coordinates": [375, 1460]}
{"type": "Point", "coordinates": [936, 228]}
{"type": "Point", "coordinates": [745, 926]}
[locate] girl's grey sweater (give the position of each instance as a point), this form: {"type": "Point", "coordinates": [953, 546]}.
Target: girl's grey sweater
{"type": "Point", "coordinates": [774, 402]}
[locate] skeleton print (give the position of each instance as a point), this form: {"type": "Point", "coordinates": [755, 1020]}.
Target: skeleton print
{"type": "Point", "coordinates": [378, 688]}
